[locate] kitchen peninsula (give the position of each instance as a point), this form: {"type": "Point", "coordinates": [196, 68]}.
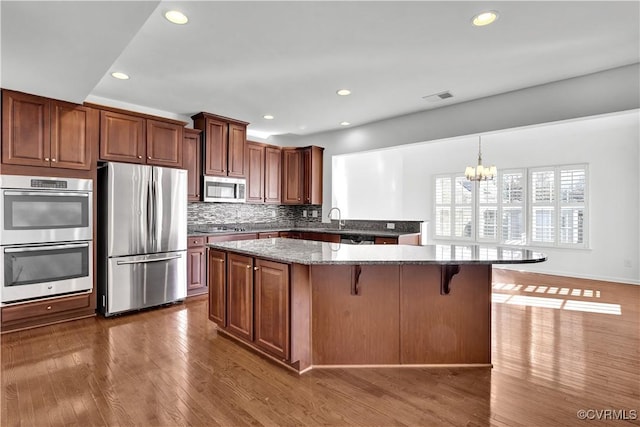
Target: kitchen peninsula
{"type": "Point", "coordinates": [310, 304]}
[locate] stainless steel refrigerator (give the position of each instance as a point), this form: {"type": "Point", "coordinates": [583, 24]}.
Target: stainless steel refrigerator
{"type": "Point", "coordinates": [142, 244]}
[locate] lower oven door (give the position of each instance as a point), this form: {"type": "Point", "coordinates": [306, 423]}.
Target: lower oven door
{"type": "Point", "coordinates": [44, 270]}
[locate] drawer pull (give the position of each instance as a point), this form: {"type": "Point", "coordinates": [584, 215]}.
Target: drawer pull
{"type": "Point", "coordinates": [48, 307]}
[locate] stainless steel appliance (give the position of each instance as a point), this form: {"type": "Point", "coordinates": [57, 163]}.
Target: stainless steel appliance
{"type": "Point", "coordinates": [46, 232]}
{"type": "Point", "coordinates": [142, 223]}
{"type": "Point", "coordinates": [221, 189]}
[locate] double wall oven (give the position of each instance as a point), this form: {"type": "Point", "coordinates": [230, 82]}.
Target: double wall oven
{"type": "Point", "coordinates": [46, 232]}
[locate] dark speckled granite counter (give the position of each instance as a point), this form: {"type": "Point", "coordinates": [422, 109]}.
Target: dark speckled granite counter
{"type": "Point", "coordinates": [308, 252]}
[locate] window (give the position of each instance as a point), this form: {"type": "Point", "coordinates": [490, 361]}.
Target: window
{"type": "Point", "coordinates": [544, 206]}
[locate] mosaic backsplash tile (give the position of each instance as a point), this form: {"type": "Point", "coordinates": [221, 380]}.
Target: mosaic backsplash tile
{"type": "Point", "coordinates": [248, 216]}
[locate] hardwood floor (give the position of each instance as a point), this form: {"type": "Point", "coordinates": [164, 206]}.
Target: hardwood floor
{"type": "Point", "coordinates": [559, 345]}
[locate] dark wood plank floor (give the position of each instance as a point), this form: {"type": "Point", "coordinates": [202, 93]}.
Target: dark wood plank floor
{"type": "Point", "coordinates": [559, 346]}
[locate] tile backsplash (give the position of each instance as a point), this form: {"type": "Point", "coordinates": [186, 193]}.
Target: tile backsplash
{"type": "Point", "coordinates": [246, 213]}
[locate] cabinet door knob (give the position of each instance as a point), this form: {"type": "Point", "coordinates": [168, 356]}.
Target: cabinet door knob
{"type": "Point", "coordinates": [149, 157]}
{"type": "Point", "coordinates": [53, 160]}
{"type": "Point", "coordinates": [139, 157]}
{"type": "Point", "coordinates": [46, 159]}
{"type": "Point", "coordinates": [48, 307]}
{"type": "Point", "coordinates": [248, 266]}
{"type": "Point", "coordinates": [255, 269]}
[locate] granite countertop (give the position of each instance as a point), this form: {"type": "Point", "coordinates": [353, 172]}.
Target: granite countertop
{"type": "Point", "coordinates": [232, 230]}
{"type": "Point", "coordinates": [312, 252]}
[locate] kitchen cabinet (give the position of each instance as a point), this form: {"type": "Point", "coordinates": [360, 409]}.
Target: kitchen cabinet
{"type": "Point", "coordinates": [263, 173]}
{"type": "Point", "coordinates": [320, 237]}
{"type": "Point", "coordinates": [272, 307]}
{"type": "Point", "coordinates": [272, 174]}
{"type": "Point", "coordinates": [302, 175]}
{"type": "Point", "coordinates": [217, 284]}
{"type": "Point", "coordinates": [132, 138]}
{"type": "Point", "coordinates": [225, 144]}
{"type": "Point", "coordinates": [269, 235]}
{"type": "Point", "coordinates": [249, 298]}
{"type": "Point", "coordinates": [38, 131]}
{"type": "Point", "coordinates": [255, 172]}
{"type": "Point", "coordinates": [239, 296]}
{"type": "Point", "coordinates": [196, 266]}
{"type": "Point", "coordinates": [193, 163]}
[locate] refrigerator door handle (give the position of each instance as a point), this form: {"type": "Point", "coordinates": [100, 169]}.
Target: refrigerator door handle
{"type": "Point", "coordinates": [144, 261]}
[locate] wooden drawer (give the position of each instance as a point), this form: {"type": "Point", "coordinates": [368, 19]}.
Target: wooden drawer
{"type": "Point", "coordinates": [43, 308]}
{"type": "Point", "coordinates": [268, 235]}
{"type": "Point", "coordinates": [386, 241]}
{"type": "Point", "coordinates": [232, 237]}
{"type": "Point", "coordinates": [194, 242]}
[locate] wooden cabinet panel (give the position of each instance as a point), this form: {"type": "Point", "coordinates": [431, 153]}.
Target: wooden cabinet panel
{"type": "Point", "coordinates": [272, 307]}
{"type": "Point", "coordinates": [196, 269]}
{"type": "Point", "coordinates": [355, 316]}
{"type": "Point", "coordinates": [122, 137]}
{"type": "Point", "coordinates": [312, 176]}
{"type": "Point", "coordinates": [292, 172]}
{"type": "Point", "coordinates": [320, 237]}
{"type": "Point", "coordinates": [25, 129]}
{"type": "Point", "coordinates": [217, 287]}
{"type": "Point", "coordinates": [164, 144]}
{"type": "Point", "coordinates": [240, 296]}
{"type": "Point", "coordinates": [386, 240]}
{"type": "Point", "coordinates": [74, 136]}
{"type": "Point", "coordinates": [45, 308]}
{"type": "Point", "coordinates": [237, 150]}
{"type": "Point", "coordinates": [192, 157]}
{"type": "Point", "coordinates": [255, 172]}
{"type": "Point", "coordinates": [272, 175]}
{"type": "Point", "coordinates": [215, 148]}
{"type": "Point", "coordinates": [456, 328]}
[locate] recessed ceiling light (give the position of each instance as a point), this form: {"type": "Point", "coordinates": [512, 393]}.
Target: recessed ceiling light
{"type": "Point", "coordinates": [176, 17]}
{"type": "Point", "coordinates": [268, 117]}
{"type": "Point", "coordinates": [120, 76]}
{"type": "Point", "coordinates": [344, 123]}
{"type": "Point", "coordinates": [485, 18]}
{"type": "Point", "coordinates": [344, 92]}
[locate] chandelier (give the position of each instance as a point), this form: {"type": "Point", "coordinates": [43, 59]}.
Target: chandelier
{"type": "Point", "coordinates": [480, 173]}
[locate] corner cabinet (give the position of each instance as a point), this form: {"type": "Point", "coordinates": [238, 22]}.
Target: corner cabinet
{"type": "Point", "coordinates": [225, 144]}
{"type": "Point", "coordinates": [44, 132]}
{"type": "Point", "coordinates": [193, 163]}
{"type": "Point", "coordinates": [302, 175]}
{"type": "Point", "coordinates": [132, 138]}
{"type": "Point", "coordinates": [249, 298]}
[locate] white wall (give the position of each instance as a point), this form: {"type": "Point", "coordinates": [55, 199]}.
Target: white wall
{"type": "Point", "coordinates": [396, 183]}
{"type": "Point", "coordinates": [608, 91]}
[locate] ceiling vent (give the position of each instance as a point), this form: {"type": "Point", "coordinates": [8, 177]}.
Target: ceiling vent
{"type": "Point", "coordinates": [437, 96]}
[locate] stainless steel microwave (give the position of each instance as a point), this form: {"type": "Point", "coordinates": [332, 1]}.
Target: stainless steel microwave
{"type": "Point", "coordinates": [221, 189]}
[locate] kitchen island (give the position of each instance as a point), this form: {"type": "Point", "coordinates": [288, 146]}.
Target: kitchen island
{"type": "Point", "coordinates": [309, 304]}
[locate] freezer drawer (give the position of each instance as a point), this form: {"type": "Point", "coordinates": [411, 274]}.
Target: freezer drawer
{"type": "Point", "coordinates": [144, 281]}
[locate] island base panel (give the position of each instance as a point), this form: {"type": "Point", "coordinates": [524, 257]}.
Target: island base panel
{"type": "Point", "coordinates": [355, 314]}
{"type": "Point", "coordinates": [445, 329]}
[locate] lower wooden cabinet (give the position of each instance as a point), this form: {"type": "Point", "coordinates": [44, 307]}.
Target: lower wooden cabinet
{"type": "Point", "coordinates": [271, 291]}
{"type": "Point", "coordinates": [196, 266]}
{"type": "Point", "coordinates": [249, 298]}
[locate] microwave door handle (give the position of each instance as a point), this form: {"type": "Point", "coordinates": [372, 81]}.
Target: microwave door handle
{"type": "Point", "coordinates": [45, 193]}
{"type": "Point", "coordinates": [45, 248]}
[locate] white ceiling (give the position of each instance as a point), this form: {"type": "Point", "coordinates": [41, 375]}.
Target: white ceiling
{"type": "Point", "coordinates": [247, 59]}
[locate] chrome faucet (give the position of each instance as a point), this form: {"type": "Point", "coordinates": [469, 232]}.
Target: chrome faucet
{"type": "Point", "coordinates": [340, 221]}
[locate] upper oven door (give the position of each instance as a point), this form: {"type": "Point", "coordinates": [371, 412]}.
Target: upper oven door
{"type": "Point", "coordinates": [33, 216]}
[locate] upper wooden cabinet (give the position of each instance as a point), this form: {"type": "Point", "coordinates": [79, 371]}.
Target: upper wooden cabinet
{"type": "Point", "coordinates": [255, 172]}
{"type": "Point", "coordinates": [225, 144]}
{"type": "Point", "coordinates": [193, 163]}
{"type": "Point", "coordinates": [38, 131]}
{"type": "Point", "coordinates": [302, 175]}
{"type": "Point", "coordinates": [263, 173]}
{"type": "Point", "coordinates": [135, 138]}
